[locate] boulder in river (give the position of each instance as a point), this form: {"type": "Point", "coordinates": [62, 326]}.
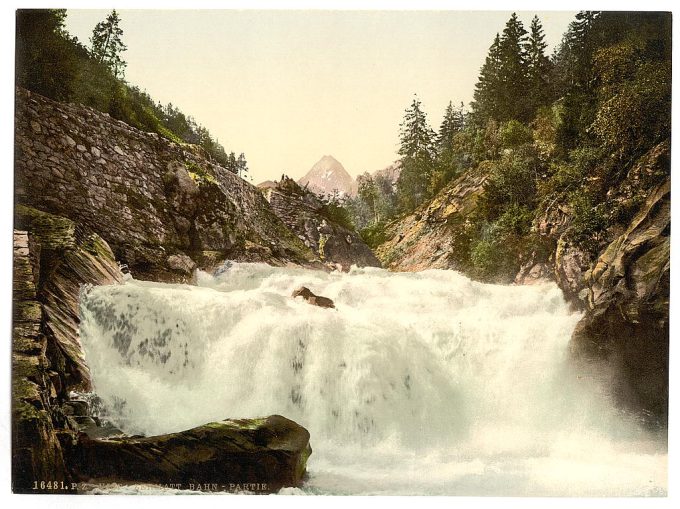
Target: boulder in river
{"type": "Point", "coordinates": [316, 300]}
{"type": "Point", "coordinates": [262, 455]}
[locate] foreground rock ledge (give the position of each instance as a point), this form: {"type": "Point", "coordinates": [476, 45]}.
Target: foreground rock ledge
{"type": "Point", "coordinates": [267, 454]}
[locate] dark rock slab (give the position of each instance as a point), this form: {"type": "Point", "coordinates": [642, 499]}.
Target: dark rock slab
{"type": "Point", "coordinates": [627, 321]}
{"type": "Point", "coordinates": [66, 257]}
{"type": "Point", "coordinates": [36, 451]}
{"type": "Point", "coordinates": [270, 452]}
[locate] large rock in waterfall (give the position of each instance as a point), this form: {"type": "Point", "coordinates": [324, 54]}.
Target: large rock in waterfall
{"type": "Point", "coordinates": [261, 455]}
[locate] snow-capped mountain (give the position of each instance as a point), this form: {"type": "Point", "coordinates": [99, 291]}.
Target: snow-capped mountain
{"type": "Point", "coordinates": [328, 176]}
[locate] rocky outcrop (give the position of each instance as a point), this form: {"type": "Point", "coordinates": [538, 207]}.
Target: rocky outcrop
{"type": "Point", "coordinates": [53, 258]}
{"type": "Point", "coordinates": [147, 197]}
{"type": "Point", "coordinates": [36, 451]}
{"type": "Point", "coordinates": [434, 236]}
{"type": "Point", "coordinates": [261, 455]}
{"type": "Point", "coordinates": [66, 257]}
{"type": "Point", "coordinates": [628, 291]}
{"type": "Point", "coordinates": [306, 215]}
{"type": "Point", "coordinates": [58, 441]}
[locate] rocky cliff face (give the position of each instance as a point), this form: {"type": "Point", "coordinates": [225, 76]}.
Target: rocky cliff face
{"type": "Point", "coordinates": [626, 294]}
{"type": "Point", "coordinates": [36, 451]}
{"type": "Point", "coordinates": [149, 198]}
{"type": "Point", "coordinates": [624, 289]}
{"type": "Point", "coordinates": [434, 236]}
{"type": "Point", "coordinates": [304, 214]}
{"type": "Point", "coordinates": [53, 258]}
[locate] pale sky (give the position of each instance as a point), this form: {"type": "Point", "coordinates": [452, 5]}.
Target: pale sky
{"type": "Point", "coordinates": [287, 87]}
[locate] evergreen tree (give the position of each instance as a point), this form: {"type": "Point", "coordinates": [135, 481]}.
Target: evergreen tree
{"type": "Point", "coordinates": [107, 45]}
{"type": "Point", "coordinates": [539, 67]}
{"type": "Point", "coordinates": [368, 192]}
{"type": "Point", "coordinates": [452, 124]}
{"type": "Point", "coordinates": [513, 71]}
{"type": "Point", "coordinates": [45, 58]}
{"type": "Point", "coordinates": [485, 105]}
{"type": "Point", "coordinates": [572, 78]}
{"type": "Point", "coordinates": [242, 166]}
{"type": "Point", "coordinates": [417, 156]}
{"type": "Point", "coordinates": [446, 166]}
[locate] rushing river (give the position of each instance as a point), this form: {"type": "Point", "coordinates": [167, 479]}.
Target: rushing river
{"type": "Point", "coordinates": [417, 383]}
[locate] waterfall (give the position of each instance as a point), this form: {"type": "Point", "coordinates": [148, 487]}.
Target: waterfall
{"type": "Point", "coordinates": [416, 383]}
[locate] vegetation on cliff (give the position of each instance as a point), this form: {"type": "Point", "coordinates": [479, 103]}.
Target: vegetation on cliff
{"type": "Point", "coordinates": [546, 132]}
{"type": "Point", "coordinates": [51, 62]}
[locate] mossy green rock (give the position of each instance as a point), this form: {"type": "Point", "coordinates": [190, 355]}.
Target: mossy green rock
{"type": "Point", "coordinates": [265, 454]}
{"type": "Point", "coordinates": [36, 451]}
{"type": "Point", "coordinates": [66, 256]}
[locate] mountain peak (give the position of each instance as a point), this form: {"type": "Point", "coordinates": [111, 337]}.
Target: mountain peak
{"type": "Point", "coordinates": [327, 176]}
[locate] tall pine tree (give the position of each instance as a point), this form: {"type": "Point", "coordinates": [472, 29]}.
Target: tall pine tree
{"type": "Point", "coordinates": [452, 124]}
{"type": "Point", "coordinates": [513, 72]}
{"type": "Point", "coordinates": [445, 167]}
{"type": "Point", "coordinates": [107, 45]}
{"type": "Point", "coordinates": [417, 156]}
{"type": "Point", "coordinates": [538, 68]}
{"type": "Point", "coordinates": [485, 104]}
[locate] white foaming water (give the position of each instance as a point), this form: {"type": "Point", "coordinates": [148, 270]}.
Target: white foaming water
{"type": "Point", "coordinates": [417, 383]}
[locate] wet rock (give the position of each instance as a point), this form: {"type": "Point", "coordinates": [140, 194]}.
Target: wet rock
{"type": "Point", "coordinates": [533, 273]}
{"type": "Point", "coordinates": [82, 423]}
{"type": "Point", "coordinates": [181, 263]}
{"type": "Point", "coordinates": [628, 307]}
{"type": "Point", "coordinates": [73, 256]}
{"type": "Point", "coordinates": [36, 451]}
{"type": "Point", "coordinates": [316, 300]}
{"type": "Point", "coordinates": [271, 451]}
{"type": "Point", "coordinates": [76, 407]}
{"type": "Point", "coordinates": [571, 265]}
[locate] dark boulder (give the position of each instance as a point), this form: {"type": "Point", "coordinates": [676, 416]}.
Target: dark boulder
{"type": "Point", "coordinates": [268, 454]}
{"type": "Point", "coordinates": [316, 300]}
